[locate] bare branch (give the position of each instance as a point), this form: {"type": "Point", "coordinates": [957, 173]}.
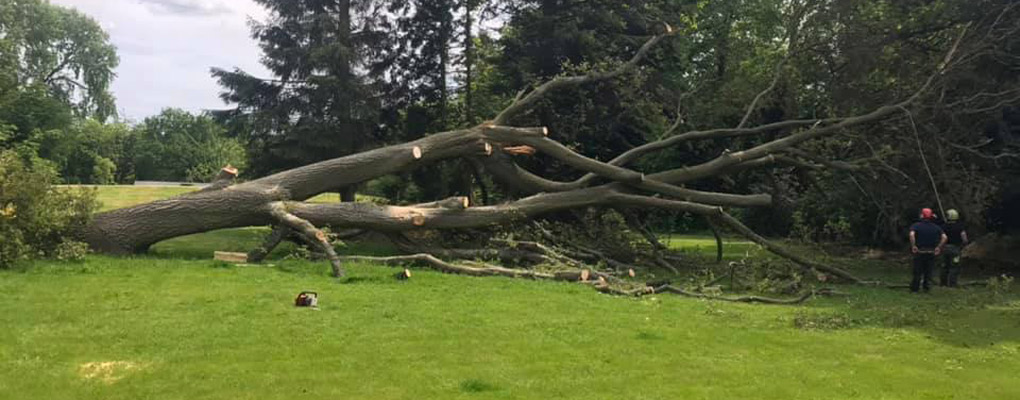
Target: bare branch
{"type": "Point", "coordinates": [520, 105]}
{"type": "Point", "coordinates": [536, 137]}
{"type": "Point", "coordinates": [443, 266]}
{"type": "Point", "coordinates": [837, 165]}
{"type": "Point", "coordinates": [973, 151]}
{"type": "Point", "coordinates": [754, 103]}
{"type": "Point", "coordinates": [728, 220]}
{"type": "Point", "coordinates": [668, 288]}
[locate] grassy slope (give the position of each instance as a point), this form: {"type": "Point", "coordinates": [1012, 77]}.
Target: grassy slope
{"type": "Point", "coordinates": [197, 329]}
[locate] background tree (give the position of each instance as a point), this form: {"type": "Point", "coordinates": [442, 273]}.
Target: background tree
{"type": "Point", "coordinates": [56, 66]}
{"type": "Point", "coordinates": [326, 94]}
{"type": "Point", "coordinates": [59, 49]}
{"type": "Point", "coordinates": [179, 146]}
{"type": "Point", "coordinates": [89, 152]}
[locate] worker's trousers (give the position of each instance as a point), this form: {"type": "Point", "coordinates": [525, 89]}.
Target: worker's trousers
{"type": "Point", "coordinates": [950, 266]}
{"type": "Point", "coordinates": [924, 266]}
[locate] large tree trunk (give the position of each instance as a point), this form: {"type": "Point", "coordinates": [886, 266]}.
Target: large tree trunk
{"type": "Point", "coordinates": [279, 199]}
{"type": "Point", "coordinates": [469, 60]}
{"type": "Point", "coordinates": [134, 229]}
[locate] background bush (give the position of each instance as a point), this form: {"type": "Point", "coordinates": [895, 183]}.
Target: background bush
{"type": "Point", "coordinates": [38, 219]}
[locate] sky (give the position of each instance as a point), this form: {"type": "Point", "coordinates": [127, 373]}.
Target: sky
{"type": "Point", "coordinates": [166, 48]}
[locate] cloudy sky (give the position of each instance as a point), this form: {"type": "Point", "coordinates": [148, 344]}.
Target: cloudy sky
{"type": "Point", "coordinates": [166, 48]}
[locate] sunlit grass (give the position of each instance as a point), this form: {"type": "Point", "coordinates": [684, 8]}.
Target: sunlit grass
{"type": "Point", "coordinates": [210, 330]}
{"type": "Point", "coordinates": [178, 325]}
{"type": "Point", "coordinates": [733, 248]}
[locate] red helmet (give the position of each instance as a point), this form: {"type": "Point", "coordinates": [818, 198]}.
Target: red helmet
{"type": "Point", "coordinates": [927, 213]}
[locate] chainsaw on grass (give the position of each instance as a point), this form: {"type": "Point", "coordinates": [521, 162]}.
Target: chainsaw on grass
{"type": "Point", "coordinates": [307, 299]}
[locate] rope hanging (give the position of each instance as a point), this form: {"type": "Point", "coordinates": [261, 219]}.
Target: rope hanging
{"type": "Point", "coordinates": [927, 168]}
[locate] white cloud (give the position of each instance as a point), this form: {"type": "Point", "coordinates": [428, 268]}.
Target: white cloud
{"type": "Point", "coordinates": [166, 48]}
{"type": "Point", "coordinates": [187, 7]}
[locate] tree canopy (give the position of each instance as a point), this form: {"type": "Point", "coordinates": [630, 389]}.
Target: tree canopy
{"type": "Point", "coordinates": [324, 98]}
{"type": "Point", "coordinates": [59, 49]}
{"type": "Point", "coordinates": [179, 146]}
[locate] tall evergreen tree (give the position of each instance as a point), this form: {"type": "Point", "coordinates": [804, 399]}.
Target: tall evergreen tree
{"type": "Point", "coordinates": [423, 67]}
{"type": "Point", "coordinates": [324, 100]}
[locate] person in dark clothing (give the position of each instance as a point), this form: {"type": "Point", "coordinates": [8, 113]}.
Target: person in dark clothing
{"type": "Point", "coordinates": [957, 240]}
{"type": "Point", "coordinates": [926, 241]}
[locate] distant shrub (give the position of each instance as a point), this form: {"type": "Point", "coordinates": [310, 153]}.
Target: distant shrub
{"type": "Point", "coordinates": [71, 250]}
{"type": "Point", "coordinates": [37, 219]}
{"type": "Point", "coordinates": [1000, 285]}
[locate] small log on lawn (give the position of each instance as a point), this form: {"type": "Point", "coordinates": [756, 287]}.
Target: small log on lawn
{"type": "Point", "coordinates": [239, 258]}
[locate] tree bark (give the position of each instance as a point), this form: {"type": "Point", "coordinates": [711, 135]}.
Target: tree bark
{"type": "Point", "coordinates": [469, 60]}
{"type": "Point", "coordinates": [718, 240]}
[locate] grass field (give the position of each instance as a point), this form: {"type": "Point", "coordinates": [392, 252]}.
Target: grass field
{"type": "Point", "coordinates": [733, 248]}
{"type": "Point", "coordinates": [177, 325]}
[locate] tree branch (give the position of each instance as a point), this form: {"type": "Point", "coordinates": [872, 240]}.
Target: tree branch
{"type": "Point", "coordinates": [309, 232]}
{"type": "Point", "coordinates": [522, 104]}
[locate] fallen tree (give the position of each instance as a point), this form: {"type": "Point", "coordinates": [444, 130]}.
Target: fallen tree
{"type": "Point", "coordinates": [279, 200]}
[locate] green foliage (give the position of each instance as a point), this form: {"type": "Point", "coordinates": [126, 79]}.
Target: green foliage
{"type": "Point", "coordinates": [71, 250]}
{"type": "Point", "coordinates": [103, 171]}
{"type": "Point", "coordinates": [327, 98]}
{"type": "Point", "coordinates": [393, 188]}
{"type": "Point", "coordinates": [35, 219]}
{"type": "Point", "coordinates": [60, 49]}
{"type": "Point", "coordinates": [544, 40]}
{"type": "Point", "coordinates": [90, 152]}
{"type": "Point", "coordinates": [811, 225]}
{"type": "Point", "coordinates": [56, 66]}
{"type": "Point", "coordinates": [177, 146]}
{"type": "Point", "coordinates": [30, 110]}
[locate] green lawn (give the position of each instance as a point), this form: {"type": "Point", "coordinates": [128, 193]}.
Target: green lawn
{"type": "Point", "coordinates": [732, 248]}
{"type": "Point", "coordinates": [177, 325]}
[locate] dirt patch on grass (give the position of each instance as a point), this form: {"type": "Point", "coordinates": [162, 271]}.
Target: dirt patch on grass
{"type": "Point", "coordinates": [108, 372]}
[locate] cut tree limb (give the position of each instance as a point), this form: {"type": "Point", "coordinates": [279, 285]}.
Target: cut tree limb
{"type": "Point", "coordinates": [443, 266]}
{"type": "Point", "coordinates": [272, 240]}
{"type": "Point", "coordinates": [737, 299]}
{"type": "Point", "coordinates": [310, 233]}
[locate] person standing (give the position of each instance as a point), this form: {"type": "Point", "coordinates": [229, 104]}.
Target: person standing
{"type": "Point", "coordinates": [926, 241]}
{"type": "Point", "coordinates": [956, 233]}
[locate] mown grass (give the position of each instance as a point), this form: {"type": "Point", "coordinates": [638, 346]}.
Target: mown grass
{"type": "Point", "coordinates": [183, 326]}
{"type": "Point", "coordinates": [733, 248]}
{"type": "Point", "coordinates": [198, 329]}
